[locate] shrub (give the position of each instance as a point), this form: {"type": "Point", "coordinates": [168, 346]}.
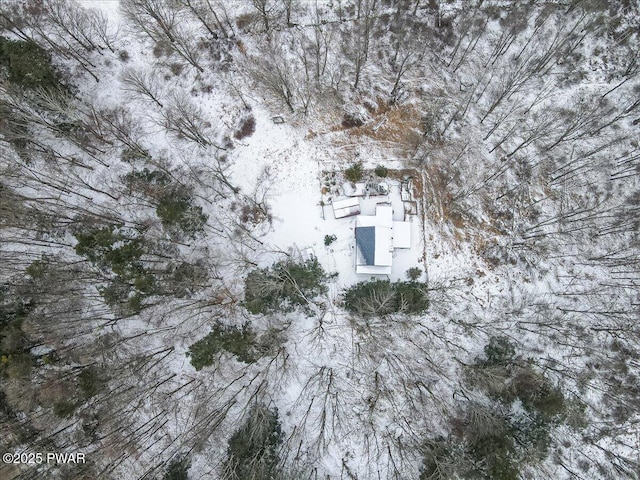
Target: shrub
{"type": "Point", "coordinates": [537, 394]}
{"type": "Point", "coordinates": [176, 68]}
{"type": "Point", "coordinates": [90, 382]}
{"type": "Point", "coordinates": [187, 278]}
{"type": "Point", "coordinates": [15, 361]}
{"type": "Point", "coordinates": [490, 443]}
{"type": "Point", "coordinates": [178, 469]}
{"type": "Point", "coordinates": [38, 269]}
{"type": "Point", "coordinates": [354, 173]}
{"type": "Point", "coordinates": [441, 458]}
{"type": "Point", "coordinates": [121, 253]}
{"type": "Point", "coordinates": [351, 120]}
{"type": "Point", "coordinates": [495, 453]}
{"type": "Point", "coordinates": [64, 409]}
{"type": "Point", "coordinates": [380, 298]}
{"type": "Point", "coordinates": [411, 297]}
{"type": "Point", "coordinates": [329, 239]}
{"type": "Point", "coordinates": [252, 452]}
{"type": "Point", "coordinates": [254, 213]}
{"type": "Point", "coordinates": [27, 64]}
{"type": "Point", "coordinates": [12, 338]}
{"type": "Point", "coordinates": [130, 155]}
{"type": "Point", "coordinates": [240, 342]}
{"type": "Point", "coordinates": [177, 213]}
{"type": "Point", "coordinates": [245, 20]}
{"type": "Point", "coordinates": [414, 273]}
{"type": "Point", "coordinates": [283, 286]}
{"type": "Point", "coordinates": [532, 434]}
{"type": "Point", "coordinates": [381, 171]}
{"type": "Point", "coordinates": [549, 402]}
{"type": "Point", "coordinates": [247, 128]}
{"type": "Point", "coordinates": [499, 351]}
{"type": "Point", "coordinates": [17, 365]}
{"type": "Point", "coordinates": [149, 182]}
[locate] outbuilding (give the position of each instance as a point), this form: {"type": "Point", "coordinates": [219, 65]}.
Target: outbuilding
{"type": "Point", "coordinates": [346, 207]}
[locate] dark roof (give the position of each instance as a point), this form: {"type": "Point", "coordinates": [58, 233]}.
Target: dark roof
{"type": "Point", "coordinates": [366, 243]}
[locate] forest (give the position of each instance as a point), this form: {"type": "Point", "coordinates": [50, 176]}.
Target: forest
{"type": "Point", "coordinates": [164, 166]}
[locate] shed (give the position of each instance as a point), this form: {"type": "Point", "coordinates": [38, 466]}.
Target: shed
{"type": "Point", "coordinates": [346, 207]}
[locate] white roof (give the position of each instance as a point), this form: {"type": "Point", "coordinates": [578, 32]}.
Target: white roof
{"type": "Point", "coordinates": [384, 247]}
{"type": "Point", "coordinates": [373, 270]}
{"type": "Point", "coordinates": [382, 218]}
{"type": "Point", "coordinates": [401, 234]}
{"type": "Point", "coordinates": [366, 221]}
{"type": "Point", "coordinates": [382, 250]}
{"type": "Point", "coordinates": [346, 202]}
{"type": "Point", "coordinates": [385, 214]}
{"type": "Point", "coordinates": [346, 207]}
{"type": "Point", "coordinates": [388, 235]}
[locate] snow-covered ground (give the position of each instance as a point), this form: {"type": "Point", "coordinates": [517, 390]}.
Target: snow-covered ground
{"type": "Point", "coordinates": [510, 232]}
{"type": "Point", "coordinates": [300, 219]}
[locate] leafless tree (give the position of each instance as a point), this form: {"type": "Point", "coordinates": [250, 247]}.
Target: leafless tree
{"type": "Point", "coordinates": [156, 18]}
{"type": "Point", "coordinates": [186, 120]}
{"type": "Point", "coordinates": [359, 39]}
{"type": "Point", "coordinates": [278, 76]}
{"type": "Point", "coordinates": [144, 83]}
{"type": "Point", "coordinates": [163, 23]}
{"type": "Point", "coordinates": [206, 13]}
{"type": "Point", "coordinates": [267, 11]}
{"type": "Point", "coordinates": [88, 28]}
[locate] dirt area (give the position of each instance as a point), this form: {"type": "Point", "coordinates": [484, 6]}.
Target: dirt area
{"type": "Point", "coordinates": [400, 125]}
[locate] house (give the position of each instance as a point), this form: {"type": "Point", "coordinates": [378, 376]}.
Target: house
{"type": "Point", "coordinates": [374, 250]}
{"type": "Point", "coordinates": [376, 238]}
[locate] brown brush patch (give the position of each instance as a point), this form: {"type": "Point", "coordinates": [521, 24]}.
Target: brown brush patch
{"type": "Point", "coordinates": [399, 124]}
{"type": "Point", "coordinates": [247, 128]}
{"type": "Point", "coordinates": [439, 195]}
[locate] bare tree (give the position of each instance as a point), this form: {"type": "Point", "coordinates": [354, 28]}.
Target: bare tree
{"type": "Point", "coordinates": [187, 121]}
{"type": "Point", "coordinates": [163, 23]}
{"type": "Point", "coordinates": [207, 15]}
{"type": "Point", "coordinates": [144, 83]}
{"type": "Point", "coordinates": [267, 11]}
{"type": "Point", "coordinates": [88, 28]}
{"type": "Point", "coordinates": [360, 38]}
{"type": "Point", "coordinates": [277, 75]}
{"type": "Point", "coordinates": [156, 18]}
